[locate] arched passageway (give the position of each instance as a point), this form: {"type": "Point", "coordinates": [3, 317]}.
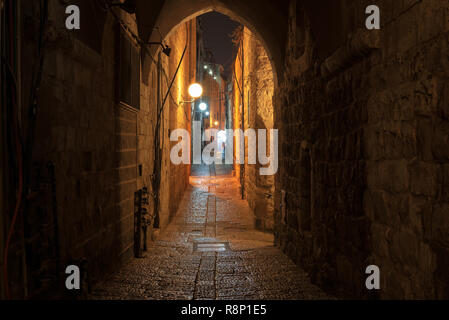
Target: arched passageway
{"type": "Point", "coordinates": [165, 15]}
{"type": "Point", "coordinates": [362, 168]}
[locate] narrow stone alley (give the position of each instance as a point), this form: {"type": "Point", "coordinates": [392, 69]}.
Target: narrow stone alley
{"type": "Point", "coordinates": [211, 251]}
{"type": "Point", "coordinates": [333, 113]}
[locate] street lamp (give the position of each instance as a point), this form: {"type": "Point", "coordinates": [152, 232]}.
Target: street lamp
{"type": "Point", "coordinates": [165, 49]}
{"type": "Point", "coordinates": [195, 91]}
{"type": "Point", "coordinates": [203, 106]}
{"type": "Point", "coordinates": [207, 113]}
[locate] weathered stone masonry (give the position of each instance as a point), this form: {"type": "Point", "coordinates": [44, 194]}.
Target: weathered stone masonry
{"type": "Point", "coordinates": [102, 150]}
{"type": "Point", "coordinates": [257, 85]}
{"type": "Point", "coordinates": [363, 126]}
{"type": "Point", "coordinates": [373, 131]}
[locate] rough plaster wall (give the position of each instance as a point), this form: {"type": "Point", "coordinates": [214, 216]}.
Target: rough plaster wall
{"type": "Point", "coordinates": [376, 134]}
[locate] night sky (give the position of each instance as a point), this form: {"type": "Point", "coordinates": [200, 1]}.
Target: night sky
{"type": "Point", "coordinates": [217, 28]}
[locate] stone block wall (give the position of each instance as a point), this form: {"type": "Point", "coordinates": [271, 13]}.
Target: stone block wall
{"type": "Point", "coordinates": [258, 89]}
{"type": "Point", "coordinates": [362, 133]}
{"type": "Point", "coordinates": [102, 150]}
{"type": "Point", "coordinates": [406, 143]}
{"type": "Point", "coordinates": [363, 123]}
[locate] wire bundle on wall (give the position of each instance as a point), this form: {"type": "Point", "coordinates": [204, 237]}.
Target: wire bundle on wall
{"type": "Point", "coordinates": [10, 122]}
{"type": "Point", "coordinates": [16, 150]}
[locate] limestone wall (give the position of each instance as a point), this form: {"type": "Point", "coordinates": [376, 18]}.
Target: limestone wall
{"type": "Point", "coordinates": [102, 150]}
{"type": "Point", "coordinates": [257, 87]}
{"type": "Point", "coordinates": [363, 134]}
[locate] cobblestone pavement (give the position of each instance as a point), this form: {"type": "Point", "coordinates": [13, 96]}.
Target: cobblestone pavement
{"type": "Point", "coordinates": [211, 251]}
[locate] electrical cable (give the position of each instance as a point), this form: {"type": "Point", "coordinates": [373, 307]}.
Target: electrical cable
{"type": "Point", "coordinates": [173, 80]}
{"type": "Point", "coordinates": [18, 151]}
{"type": "Point", "coordinates": [18, 143]}
{"type": "Point", "coordinates": [140, 42]}
{"type": "Point", "coordinates": [11, 72]}
{"type": "Point", "coordinates": [237, 81]}
{"type": "Point", "coordinates": [14, 219]}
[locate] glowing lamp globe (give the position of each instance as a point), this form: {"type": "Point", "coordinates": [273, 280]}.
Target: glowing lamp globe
{"type": "Point", "coordinates": [222, 135]}
{"type": "Point", "coordinates": [203, 106]}
{"type": "Point", "coordinates": [195, 90]}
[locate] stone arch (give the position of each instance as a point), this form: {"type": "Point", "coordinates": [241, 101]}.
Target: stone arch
{"type": "Point", "coordinates": [257, 15]}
